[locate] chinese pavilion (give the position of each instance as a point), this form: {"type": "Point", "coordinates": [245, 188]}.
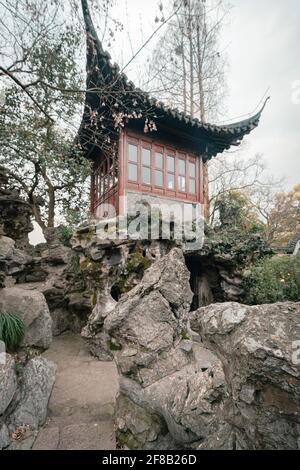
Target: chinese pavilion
{"type": "Point", "coordinates": [139, 145]}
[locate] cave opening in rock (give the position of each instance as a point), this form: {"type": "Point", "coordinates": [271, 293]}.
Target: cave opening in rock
{"type": "Point", "coordinates": [205, 281]}
{"type": "Point", "coordinates": [115, 292]}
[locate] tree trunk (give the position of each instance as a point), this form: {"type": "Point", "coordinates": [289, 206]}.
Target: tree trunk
{"type": "Point", "coordinates": [51, 207]}
{"type": "Point", "coordinates": [190, 36]}
{"type": "Point", "coordinates": [184, 77]}
{"type": "Point", "coordinates": [37, 216]}
{"type": "Point", "coordinates": [202, 117]}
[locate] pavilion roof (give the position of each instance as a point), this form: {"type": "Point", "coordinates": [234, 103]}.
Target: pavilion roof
{"type": "Point", "coordinates": [109, 91]}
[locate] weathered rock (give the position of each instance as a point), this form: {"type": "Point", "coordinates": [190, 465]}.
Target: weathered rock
{"type": "Point", "coordinates": [15, 217]}
{"type": "Point", "coordinates": [167, 400]}
{"type": "Point", "coordinates": [104, 305]}
{"type": "Point", "coordinates": [61, 321]}
{"type": "Point", "coordinates": [218, 268]}
{"type": "Point", "coordinates": [196, 403]}
{"type": "Point", "coordinates": [99, 344]}
{"type": "Point", "coordinates": [55, 296]}
{"type": "Point", "coordinates": [8, 382]}
{"type": "Point", "coordinates": [136, 426]}
{"type": "Point", "coordinates": [97, 339]}
{"type": "Point", "coordinates": [37, 382]}
{"type": "Point", "coordinates": [13, 262]}
{"type": "Point", "coordinates": [4, 436]}
{"type": "Point", "coordinates": [231, 291]}
{"type": "Point", "coordinates": [3, 271]}
{"type": "Point", "coordinates": [24, 443]}
{"type": "Point", "coordinates": [56, 253]}
{"type": "Point", "coordinates": [164, 386]}
{"type": "Point", "coordinates": [32, 307]}
{"type": "Point", "coordinates": [19, 262]}
{"type": "Point", "coordinates": [188, 402]}
{"type": "Point", "coordinates": [110, 269]}
{"type": "Point", "coordinates": [80, 302]}
{"type": "Point", "coordinates": [6, 247]}
{"type": "Point", "coordinates": [262, 370]}
{"type": "Point", "coordinates": [6, 251]}
{"type": "Point", "coordinates": [149, 319]}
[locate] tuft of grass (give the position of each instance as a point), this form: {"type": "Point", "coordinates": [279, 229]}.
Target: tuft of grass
{"type": "Point", "coordinates": [12, 330]}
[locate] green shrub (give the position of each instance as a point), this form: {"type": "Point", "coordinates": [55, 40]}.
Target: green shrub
{"type": "Point", "coordinates": [275, 279]}
{"type": "Point", "coordinates": [64, 234]}
{"type": "Point", "coordinates": [12, 330]}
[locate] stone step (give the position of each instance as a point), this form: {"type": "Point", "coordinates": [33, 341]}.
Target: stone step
{"type": "Point", "coordinates": [102, 412]}
{"type": "Point", "coordinates": [91, 435]}
{"type": "Point", "coordinates": [47, 439]}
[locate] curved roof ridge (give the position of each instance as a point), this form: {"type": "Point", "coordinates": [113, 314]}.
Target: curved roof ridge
{"type": "Point", "coordinates": [246, 122]}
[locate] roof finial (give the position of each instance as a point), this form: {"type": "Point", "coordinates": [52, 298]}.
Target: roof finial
{"type": "Point", "coordinates": [265, 103]}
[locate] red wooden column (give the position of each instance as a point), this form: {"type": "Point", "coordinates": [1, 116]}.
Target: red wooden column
{"type": "Point", "coordinates": [92, 188]}
{"type": "Point", "coordinates": [121, 173]}
{"type": "Point", "coordinates": [201, 183]}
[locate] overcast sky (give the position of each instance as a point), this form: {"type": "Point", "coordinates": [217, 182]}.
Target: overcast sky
{"type": "Point", "coordinates": [264, 52]}
{"type": "Point", "coordinates": [262, 42]}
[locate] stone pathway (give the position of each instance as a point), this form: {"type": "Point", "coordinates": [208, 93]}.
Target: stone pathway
{"type": "Point", "coordinates": [81, 406]}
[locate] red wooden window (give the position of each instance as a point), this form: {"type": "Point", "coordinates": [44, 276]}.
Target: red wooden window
{"type": "Point", "coordinates": [159, 169]}
{"type": "Point", "coordinates": [104, 181]}
{"type": "Point", "coordinates": [182, 174]}
{"type": "Point", "coordinates": [146, 165]}
{"type": "Point", "coordinates": [171, 172]}
{"type": "Point", "coordinates": [133, 162]}
{"type": "Point", "coordinates": [192, 177]}
{"type": "Point", "coordinates": [153, 167]}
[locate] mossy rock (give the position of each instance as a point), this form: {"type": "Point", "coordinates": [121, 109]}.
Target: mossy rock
{"type": "Point", "coordinates": [133, 271]}
{"type": "Point", "coordinates": [137, 261]}
{"type": "Point", "coordinates": [86, 234]}
{"type": "Point", "coordinates": [113, 345]}
{"type": "Point", "coordinates": [90, 267]}
{"type": "Point", "coordinates": [141, 426]}
{"type": "Point", "coordinates": [94, 299]}
{"type": "Point", "coordinates": [126, 440]}
{"type": "Point", "coordinates": [185, 335]}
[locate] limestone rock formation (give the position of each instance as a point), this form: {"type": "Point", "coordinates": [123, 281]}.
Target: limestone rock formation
{"type": "Point", "coordinates": [110, 269]}
{"type": "Point", "coordinates": [53, 270]}
{"type": "Point", "coordinates": [147, 322]}
{"type": "Point", "coordinates": [50, 268]}
{"type": "Point", "coordinates": [6, 247]}
{"type": "Point", "coordinates": [32, 307]}
{"type": "Point", "coordinates": [37, 382]}
{"type": "Point", "coordinates": [167, 398]}
{"type": "Point", "coordinates": [220, 266]}
{"type": "Point", "coordinates": [8, 382]}
{"type": "Point", "coordinates": [15, 213]}
{"type": "Point", "coordinates": [256, 346]}
{"type": "Point", "coordinates": [245, 398]}
{"type": "Point", "coordinates": [63, 287]}
{"type": "Point", "coordinates": [97, 339]}
{"type": "Point", "coordinates": [177, 411]}
{"type": "Point", "coordinates": [13, 262]}
{"type": "Point", "coordinates": [24, 396]}
{"type": "Point", "coordinates": [4, 436]}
